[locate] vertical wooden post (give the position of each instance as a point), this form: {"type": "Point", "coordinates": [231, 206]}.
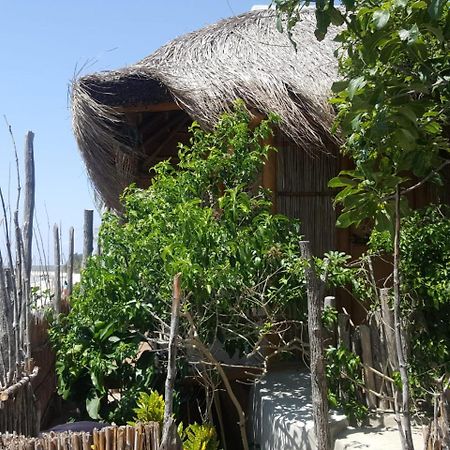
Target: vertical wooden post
{"type": "Point", "coordinates": [88, 242]}
{"type": "Point", "coordinates": [269, 175]}
{"type": "Point", "coordinates": [366, 348]}
{"type": "Point", "coordinates": [344, 330]}
{"type": "Point", "coordinates": [388, 326]}
{"type": "Point", "coordinates": [330, 336]}
{"type": "Point", "coordinates": [19, 321]}
{"type": "Point", "coordinates": [70, 262]}
{"type": "Point", "coordinates": [400, 339]}
{"type": "Point", "coordinates": [57, 262]}
{"type": "Point", "coordinates": [6, 329]}
{"type": "Point", "coordinates": [315, 290]}
{"type": "Point", "coordinates": [169, 435]}
{"type": "Point", "coordinates": [29, 201]}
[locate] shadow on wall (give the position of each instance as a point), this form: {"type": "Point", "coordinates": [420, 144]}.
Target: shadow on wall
{"type": "Point", "coordinates": [281, 415]}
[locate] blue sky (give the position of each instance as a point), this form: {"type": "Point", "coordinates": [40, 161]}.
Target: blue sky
{"type": "Point", "coordinates": [43, 43]}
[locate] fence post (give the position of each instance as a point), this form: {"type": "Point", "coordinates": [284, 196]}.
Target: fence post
{"type": "Point", "coordinates": [28, 213]}
{"type": "Point", "coordinates": [70, 262]}
{"type": "Point", "coordinates": [28, 202]}
{"type": "Point", "coordinates": [170, 439]}
{"type": "Point", "coordinates": [57, 261]}
{"type": "Point", "coordinates": [315, 287]}
{"type": "Point", "coordinates": [330, 336]}
{"type": "Point", "coordinates": [88, 242]}
{"type": "Point", "coordinates": [366, 349]}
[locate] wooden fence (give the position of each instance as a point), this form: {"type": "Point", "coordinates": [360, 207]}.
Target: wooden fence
{"type": "Point", "coordinates": [24, 342]}
{"type": "Point", "coordinates": [17, 407]}
{"type": "Point", "coordinates": [141, 437]}
{"type": "Point", "coordinates": [374, 343]}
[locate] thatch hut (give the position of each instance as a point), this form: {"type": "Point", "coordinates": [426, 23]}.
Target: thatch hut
{"type": "Point", "coordinates": [127, 120]}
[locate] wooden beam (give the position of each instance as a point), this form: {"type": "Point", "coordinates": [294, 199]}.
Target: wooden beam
{"type": "Point", "coordinates": [269, 175]}
{"type": "Point", "coordinates": [157, 107]}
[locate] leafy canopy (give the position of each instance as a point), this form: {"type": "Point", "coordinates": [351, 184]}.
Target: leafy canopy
{"type": "Point", "coordinates": [393, 102]}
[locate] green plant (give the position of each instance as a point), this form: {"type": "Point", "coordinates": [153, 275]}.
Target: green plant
{"type": "Point", "coordinates": [200, 437]}
{"type": "Point", "coordinates": [150, 408]}
{"type": "Point", "coordinates": [393, 111]}
{"type": "Point", "coordinates": [425, 247]}
{"type": "Point", "coordinates": [206, 219]}
{"type": "Point", "coordinates": [344, 377]}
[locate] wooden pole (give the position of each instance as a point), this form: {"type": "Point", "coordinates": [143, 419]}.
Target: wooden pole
{"type": "Point", "coordinates": [269, 175]}
{"type": "Point", "coordinates": [57, 261]}
{"type": "Point", "coordinates": [88, 242]}
{"type": "Point", "coordinates": [28, 215]}
{"type": "Point", "coordinates": [315, 290]}
{"type": "Point", "coordinates": [405, 421]}
{"type": "Point", "coordinates": [6, 329]}
{"type": "Point", "coordinates": [366, 347]}
{"type": "Point", "coordinates": [170, 439]}
{"type": "Point", "coordinates": [70, 262]}
{"type": "Point", "coordinates": [19, 307]}
{"type": "Point", "coordinates": [29, 201]}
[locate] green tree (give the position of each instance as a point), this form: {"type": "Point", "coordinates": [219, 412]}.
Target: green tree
{"type": "Point", "coordinates": [393, 111]}
{"type": "Point", "coordinates": [206, 219]}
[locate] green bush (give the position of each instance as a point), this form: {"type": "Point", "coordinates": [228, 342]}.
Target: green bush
{"type": "Point", "coordinates": [150, 408]}
{"type": "Point", "coordinates": [200, 437]}
{"type": "Point", "coordinates": [425, 248]}
{"type": "Point", "coordinates": [205, 219]}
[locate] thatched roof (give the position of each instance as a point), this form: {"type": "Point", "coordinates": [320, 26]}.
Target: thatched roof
{"type": "Point", "coordinates": [204, 72]}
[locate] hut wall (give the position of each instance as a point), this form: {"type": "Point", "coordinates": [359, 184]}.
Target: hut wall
{"type": "Point", "coordinates": [303, 193]}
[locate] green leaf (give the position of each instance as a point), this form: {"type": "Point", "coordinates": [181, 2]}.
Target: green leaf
{"type": "Point", "coordinates": [436, 8]}
{"type": "Point", "coordinates": [410, 36]}
{"type": "Point", "coordinates": [406, 138]}
{"type": "Point", "coordinates": [323, 22]}
{"type": "Point", "coordinates": [93, 406]}
{"type": "Point", "coordinates": [279, 24]}
{"type": "Point", "coordinates": [409, 113]}
{"type": "Point", "coordinates": [345, 220]}
{"type": "Point", "coordinates": [336, 16]}
{"type": "Point", "coordinates": [354, 85]}
{"type": "Point", "coordinates": [339, 86]}
{"type": "Point", "coordinates": [338, 182]}
{"type": "Point", "coordinates": [381, 18]}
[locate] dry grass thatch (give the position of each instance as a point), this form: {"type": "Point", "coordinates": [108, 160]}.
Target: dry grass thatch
{"type": "Point", "coordinates": [204, 72]}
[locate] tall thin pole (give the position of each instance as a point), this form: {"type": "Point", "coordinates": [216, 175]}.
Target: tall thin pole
{"type": "Point", "coordinates": [400, 340]}
{"type": "Point", "coordinates": [88, 242]}
{"type": "Point", "coordinates": [28, 215]}
{"type": "Point", "coordinates": [57, 276]}
{"type": "Point", "coordinates": [169, 437]}
{"type": "Point", "coordinates": [314, 288]}
{"type": "Point", "coordinates": [29, 201]}
{"type": "Point", "coordinates": [70, 262]}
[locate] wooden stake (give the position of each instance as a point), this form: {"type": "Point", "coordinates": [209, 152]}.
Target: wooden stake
{"type": "Point", "coordinates": [70, 262]}
{"type": "Point", "coordinates": [366, 347]}
{"type": "Point", "coordinates": [315, 290]}
{"type": "Point", "coordinates": [88, 242]}
{"type": "Point", "coordinates": [57, 262]}
{"type": "Point", "coordinates": [170, 440]}
{"type": "Point", "coordinates": [28, 202]}
{"type": "Point", "coordinates": [405, 421]}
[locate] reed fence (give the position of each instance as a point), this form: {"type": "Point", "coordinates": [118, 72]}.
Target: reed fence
{"type": "Point", "coordinates": [140, 437]}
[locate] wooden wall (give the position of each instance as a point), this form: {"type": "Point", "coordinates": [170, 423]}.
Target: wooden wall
{"type": "Point", "coordinates": [303, 193]}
